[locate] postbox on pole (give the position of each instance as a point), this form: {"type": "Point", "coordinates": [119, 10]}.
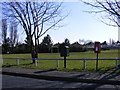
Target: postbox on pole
{"type": "Point", "coordinates": [64, 52]}
{"type": "Point", "coordinates": [97, 49]}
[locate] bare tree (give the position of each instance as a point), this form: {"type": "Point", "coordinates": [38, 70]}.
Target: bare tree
{"type": "Point", "coordinates": [13, 33]}
{"type": "Point", "coordinates": [4, 30]}
{"type": "Point", "coordinates": [4, 35]}
{"type": "Point", "coordinates": [35, 17]}
{"type": "Point", "coordinates": [110, 10]}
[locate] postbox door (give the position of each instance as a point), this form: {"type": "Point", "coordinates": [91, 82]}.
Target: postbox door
{"type": "Point", "coordinates": [97, 47]}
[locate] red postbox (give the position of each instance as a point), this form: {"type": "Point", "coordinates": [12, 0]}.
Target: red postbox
{"type": "Point", "coordinates": [97, 47]}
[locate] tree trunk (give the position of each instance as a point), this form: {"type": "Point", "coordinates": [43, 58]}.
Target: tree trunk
{"type": "Point", "coordinates": [34, 54]}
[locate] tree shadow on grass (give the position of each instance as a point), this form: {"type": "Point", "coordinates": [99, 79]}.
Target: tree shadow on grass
{"type": "Point", "coordinates": [9, 65]}
{"type": "Point", "coordinates": [12, 65]}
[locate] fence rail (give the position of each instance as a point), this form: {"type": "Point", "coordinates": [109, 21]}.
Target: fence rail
{"type": "Point", "coordinates": [57, 60]}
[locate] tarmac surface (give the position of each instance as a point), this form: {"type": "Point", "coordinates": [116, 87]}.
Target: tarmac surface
{"type": "Point", "coordinates": [112, 78]}
{"type": "Point", "coordinates": [17, 82]}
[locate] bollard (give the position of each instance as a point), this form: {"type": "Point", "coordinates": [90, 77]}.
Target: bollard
{"type": "Point", "coordinates": [116, 63]}
{"type": "Point", "coordinates": [57, 63]}
{"type": "Point", "coordinates": [84, 64]}
{"type": "Point", "coordinates": [35, 62]}
{"type": "Point", "coordinates": [17, 61]}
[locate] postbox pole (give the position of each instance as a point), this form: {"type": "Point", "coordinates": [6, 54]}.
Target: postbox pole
{"type": "Point", "coordinates": [64, 61]}
{"type": "Point", "coordinates": [97, 62]}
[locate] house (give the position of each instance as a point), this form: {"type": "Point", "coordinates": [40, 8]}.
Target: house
{"type": "Point", "coordinates": [90, 45]}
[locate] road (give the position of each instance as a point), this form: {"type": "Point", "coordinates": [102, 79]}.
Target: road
{"type": "Point", "coordinates": [23, 82]}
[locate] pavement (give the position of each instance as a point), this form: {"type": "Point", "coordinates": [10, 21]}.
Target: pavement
{"type": "Point", "coordinates": [112, 78]}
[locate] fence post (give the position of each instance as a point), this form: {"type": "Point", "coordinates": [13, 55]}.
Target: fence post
{"type": "Point", "coordinates": [116, 63]}
{"type": "Point", "coordinates": [17, 61]}
{"type": "Point", "coordinates": [84, 63]}
{"type": "Point", "coordinates": [57, 63]}
{"type": "Point", "coordinates": [35, 62]}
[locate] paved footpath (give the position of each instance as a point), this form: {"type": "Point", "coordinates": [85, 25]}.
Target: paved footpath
{"type": "Point", "coordinates": [112, 78]}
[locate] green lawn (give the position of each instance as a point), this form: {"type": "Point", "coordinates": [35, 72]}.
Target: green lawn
{"type": "Point", "coordinates": [71, 64]}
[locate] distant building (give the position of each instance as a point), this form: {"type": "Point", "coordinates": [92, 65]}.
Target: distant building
{"type": "Point", "coordinates": [115, 45]}
{"type": "Point", "coordinates": [90, 45]}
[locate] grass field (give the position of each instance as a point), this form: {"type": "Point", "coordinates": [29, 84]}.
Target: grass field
{"type": "Point", "coordinates": [76, 65]}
